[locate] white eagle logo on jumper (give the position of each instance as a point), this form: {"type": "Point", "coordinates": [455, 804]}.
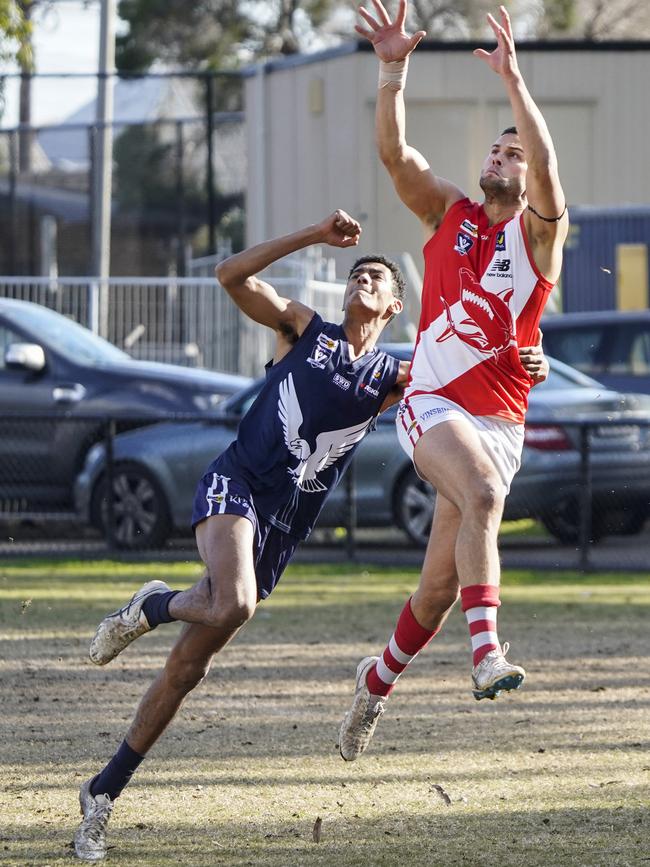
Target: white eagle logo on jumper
{"type": "Point", "coordinates": [330, 445]}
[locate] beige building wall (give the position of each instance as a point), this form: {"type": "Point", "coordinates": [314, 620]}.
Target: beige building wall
{"type": "Point", "coordinates": [310, 127]}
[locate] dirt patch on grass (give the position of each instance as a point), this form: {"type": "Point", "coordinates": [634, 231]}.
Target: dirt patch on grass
{"type": "Point", "coordinates": [555, 774]}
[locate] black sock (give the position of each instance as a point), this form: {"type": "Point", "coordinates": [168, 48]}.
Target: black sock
{"type": "Point", "coordinates": [156, 608]}
{"type": "Point", "coordinates": [117, 772]}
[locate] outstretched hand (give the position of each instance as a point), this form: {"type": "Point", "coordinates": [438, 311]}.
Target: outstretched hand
{"type": "Point", "coordinates": [340, 230]}
{"type": "Point", "coordinates": [503, 60]}
{"type": "Point", "coordinates": [389, 39]}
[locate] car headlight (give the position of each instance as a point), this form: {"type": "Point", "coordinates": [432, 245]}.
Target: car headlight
{"type": "Point", "coordinates": [207, 402]}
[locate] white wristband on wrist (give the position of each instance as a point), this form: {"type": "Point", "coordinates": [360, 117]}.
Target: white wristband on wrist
{"type": "Point", "coordinates": [393, 74]}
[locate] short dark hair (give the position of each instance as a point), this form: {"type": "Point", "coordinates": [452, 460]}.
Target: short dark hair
{"type": "Point", "coordinates": [399, 284]}
{"type": "Point", "coordinates": [511, 130]}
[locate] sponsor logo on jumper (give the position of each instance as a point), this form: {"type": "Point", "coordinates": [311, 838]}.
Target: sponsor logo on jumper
{"type": "Point", "coordinates": [373, 391]}
{"type": "Point", "coordinates": [238, 500]}
{"type": "Point", "coordinates": [341, 381]}
{"type": "Point", "coordinates": [470, 228]}
{"type": "Point", "coordinates": [435, 410]}
{"type": "Point", "coordinates": [322, 351]}
{"type": "Point", "coordinates": [481, 319]}
{"type": "Point", "coordinates": [463, 244]}
{"type": "Point", "coordinates": [329, 446]}
{"type": "Point", "coordinates": [500, 242]}
{"type": "Point", "coordinates": [499, 268]}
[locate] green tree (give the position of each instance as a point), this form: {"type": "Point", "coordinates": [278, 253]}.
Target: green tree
{"type": "Point", "coordinates": [15, 39]}
{"type": "Point", "coordinates": [217, 34]}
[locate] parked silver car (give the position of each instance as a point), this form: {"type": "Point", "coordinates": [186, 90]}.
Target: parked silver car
{"type": "Point", "coordinates": [156, 469]}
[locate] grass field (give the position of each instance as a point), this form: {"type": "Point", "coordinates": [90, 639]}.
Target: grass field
{"type": "Point", "coordinates": [556, 774]}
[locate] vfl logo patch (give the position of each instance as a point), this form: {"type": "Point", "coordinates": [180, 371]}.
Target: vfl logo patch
{"type": "Point", "coordinates": [500, 244]}
{"type": "Point", "coordinates": [463, 244]}
{"type": "Point", "coordinates": [341, 381]}
{"type": "Point", "coordinates": [322, 351]}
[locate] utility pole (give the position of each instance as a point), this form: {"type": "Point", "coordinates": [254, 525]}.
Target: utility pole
{"type": "Point", "coordinates": [102, 157]}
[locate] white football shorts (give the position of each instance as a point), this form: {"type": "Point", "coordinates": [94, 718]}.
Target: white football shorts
{"type": "Point", "coordinates": [502, 441]}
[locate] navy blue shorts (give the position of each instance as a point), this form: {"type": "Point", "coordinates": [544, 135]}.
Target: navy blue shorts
{"type": "Point", "coordinates": [219, 495]}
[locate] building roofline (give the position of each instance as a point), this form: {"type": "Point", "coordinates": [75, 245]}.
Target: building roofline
{"type": "Point", "coordinates": [362, 46]}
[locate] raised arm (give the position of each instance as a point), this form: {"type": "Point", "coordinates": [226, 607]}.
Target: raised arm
{"type": "Point", "coordinates": [427, 195]}
{"type": "Point", "coordinates": [258, 299]}
{"type": "Point", "coordinates": [546, 217]}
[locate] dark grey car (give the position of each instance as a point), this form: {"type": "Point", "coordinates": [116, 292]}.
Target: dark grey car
{"type": "Point", "coordinates": [611, 345]}
{"type": "Point", "coordinates": [156, 470]}
{"type": "Point", "coordinates": [69, 379]}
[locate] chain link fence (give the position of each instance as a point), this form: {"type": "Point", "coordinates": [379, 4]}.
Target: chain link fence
{"type": "Point", "coordinates": [179, 178]}
{"type": "Point", "coordinates": [86, 486]}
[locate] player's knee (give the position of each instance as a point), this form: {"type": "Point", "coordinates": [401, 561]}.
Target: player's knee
{"type": "Point", "coordinates": [231, 615]}
{"type": "Point", "coordinates": [486, 496]}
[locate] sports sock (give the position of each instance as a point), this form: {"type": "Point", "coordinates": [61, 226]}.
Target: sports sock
{"type": "Point", "coordinates": [406, 642]}
{"type": "Point", "coordinates": [480, 603]}
{"type": "Point", "coordinates": [117, 772]}
{"type": "Point", "coordinates": [156, 608]}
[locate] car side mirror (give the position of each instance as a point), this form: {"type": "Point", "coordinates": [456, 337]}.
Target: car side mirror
{"type": "Point", "coordinates": [28, 356]}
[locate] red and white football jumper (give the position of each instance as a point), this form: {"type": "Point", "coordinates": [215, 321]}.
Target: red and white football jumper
{"type": "Point", "coordinates": [482, 298]}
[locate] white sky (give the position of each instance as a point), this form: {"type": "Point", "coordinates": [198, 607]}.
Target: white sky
{"type": "Point", "coordinates": [65, 40]}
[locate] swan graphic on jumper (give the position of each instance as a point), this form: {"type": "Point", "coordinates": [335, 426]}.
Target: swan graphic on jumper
{"type": "Point", "coordinates": [484, 320]}
{"type": "Point", "coordinates": [330, 445]}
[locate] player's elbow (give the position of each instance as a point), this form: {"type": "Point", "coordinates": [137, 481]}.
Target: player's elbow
{"type": "Point", "coordinates": [224, 273]}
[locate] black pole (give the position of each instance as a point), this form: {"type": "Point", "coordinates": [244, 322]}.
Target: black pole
{"type": "Point", "coordinates": [209, 128]}
{"type": "Point", "coordinates": [586, 498]}
{"type": "Point", "coordinates": [180, 201]}
{"type": "Point", "coordinates": [110, 493]}
{"type": "Point", "coordinates": [13, 209]}
{"type": "Point", "coordinates": [351, 511]}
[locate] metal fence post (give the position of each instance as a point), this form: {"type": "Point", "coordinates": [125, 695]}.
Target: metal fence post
{"type": "Point", "coordinates": [351, 511]}
{"type": "Point", "coordinates": [585, 499]}
{"type": "Point", "coordinates": [110, 493]}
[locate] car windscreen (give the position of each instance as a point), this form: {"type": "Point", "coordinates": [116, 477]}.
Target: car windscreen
{"type": "Point", "coordinates": [66, 337]}
{"type": "Point", "coordinates": [562, 375]}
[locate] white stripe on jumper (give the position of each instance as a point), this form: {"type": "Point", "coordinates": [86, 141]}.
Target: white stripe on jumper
{"type": "Point", "coordinates": [397, 654]}
{"type": "Point", "coordinates": [222, 504]}
{"type": "Point", "coordinates": [213, 493]}
{"type": "Point", "coordinates": [484, 638]}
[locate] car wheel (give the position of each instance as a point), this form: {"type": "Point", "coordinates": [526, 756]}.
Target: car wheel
{"type": "Point", "coordinates": [414, 503]}
{"type": "Point", "coordinates": [140, 510]}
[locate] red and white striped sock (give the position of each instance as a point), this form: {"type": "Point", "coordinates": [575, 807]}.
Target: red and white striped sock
{"type": "Point", "coordinates": [407, 641]}
{"type": "Point", "coordinates": [480, 603]}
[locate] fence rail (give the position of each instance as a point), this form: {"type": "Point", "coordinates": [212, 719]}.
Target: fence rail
{"type": "Point", "coordinates": [42, 485]}
{"type": "Point", "coordinates": [183, 320]}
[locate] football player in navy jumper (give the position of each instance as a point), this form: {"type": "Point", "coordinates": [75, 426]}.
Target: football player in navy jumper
{"type": "Point", "coordinates": [324, 388]}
